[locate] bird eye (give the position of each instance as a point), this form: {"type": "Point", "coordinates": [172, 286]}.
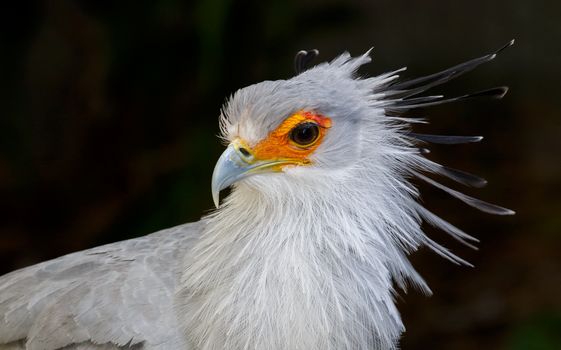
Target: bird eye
{"type": "Point", "coordinates": [304, 134]}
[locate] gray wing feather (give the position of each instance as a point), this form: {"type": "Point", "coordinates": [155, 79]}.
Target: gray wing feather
{"type": "Point", "coordinates": [82, 346]}
{"type": "Point", "coordinates": [120, 295]}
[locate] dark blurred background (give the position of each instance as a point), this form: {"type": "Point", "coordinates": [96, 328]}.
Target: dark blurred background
{"type": "Point", "coordinates": [108, 117]}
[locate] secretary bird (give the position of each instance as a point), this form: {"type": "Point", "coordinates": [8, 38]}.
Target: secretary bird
{"type": "Point", "coordinates": [307, 252]}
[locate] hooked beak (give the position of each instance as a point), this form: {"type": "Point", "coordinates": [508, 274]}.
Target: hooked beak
{"type": "Point", "coordinates": [238, 162]}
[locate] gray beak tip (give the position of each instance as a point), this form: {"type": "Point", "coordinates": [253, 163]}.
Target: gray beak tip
{"type": "Point", "coordinates": [229, 169]}
{"type": "Point", "coordinates": [216, 198]}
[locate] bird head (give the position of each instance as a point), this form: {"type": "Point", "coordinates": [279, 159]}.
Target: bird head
{"type": "Point", "coordinates": [310, 127]}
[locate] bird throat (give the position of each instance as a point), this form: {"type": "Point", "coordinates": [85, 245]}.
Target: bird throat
{"type": "Point", "coordinates": [286, 270]}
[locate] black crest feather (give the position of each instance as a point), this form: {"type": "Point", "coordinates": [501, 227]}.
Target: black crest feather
{"type": "Point", "coordinates": [303, 59]}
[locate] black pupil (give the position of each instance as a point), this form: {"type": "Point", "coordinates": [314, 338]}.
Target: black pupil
{"type": "Point", "coordinates": [305, 133]}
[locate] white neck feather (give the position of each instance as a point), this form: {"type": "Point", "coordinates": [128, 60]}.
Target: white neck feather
{"type": "Point", "coordinates": [301, 262]}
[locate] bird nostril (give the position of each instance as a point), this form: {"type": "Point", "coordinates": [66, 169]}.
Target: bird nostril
{"type": "Point", "coordinates": [245, 152]}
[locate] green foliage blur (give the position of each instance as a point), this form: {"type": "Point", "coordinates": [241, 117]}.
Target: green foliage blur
{"type": "Point", "coordinates": [108, 123]}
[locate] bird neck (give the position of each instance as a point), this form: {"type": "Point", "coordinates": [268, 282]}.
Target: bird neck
{"type": "Point", "coordinates": [282, 270]}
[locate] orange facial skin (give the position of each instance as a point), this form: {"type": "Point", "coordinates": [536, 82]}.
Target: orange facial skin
{"type": "Point", "coordinates": [278, 146]}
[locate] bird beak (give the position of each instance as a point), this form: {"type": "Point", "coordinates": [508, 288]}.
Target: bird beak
{"type": "Point", "coordinates": [238, 162]}
{"type": "Point", "coordinates": [230, 168]}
